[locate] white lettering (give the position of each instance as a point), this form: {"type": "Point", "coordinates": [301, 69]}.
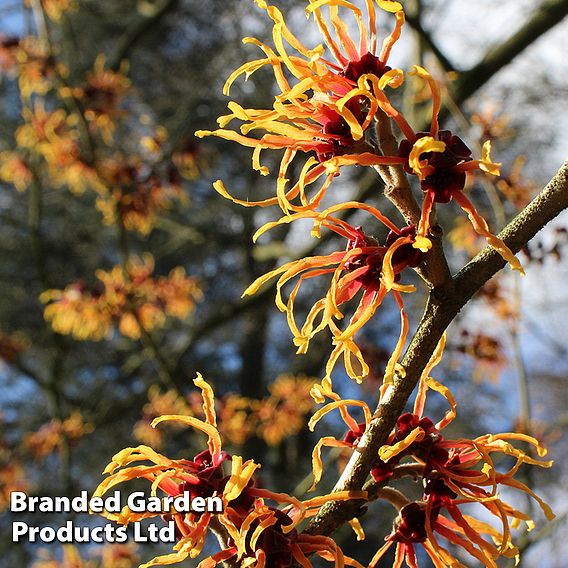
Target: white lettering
{"type": "Point", "coordinates": [136, 502]}
{"type": "Point", "coordinates": [182, 503]}
{"type": "Point", "coordinates": [214, 505]}
{"type": "Point", "coordinates": [121, 535]}
{"type": "Point", "coordinates": [19, 529]}
{"type": "Point", "coordinates": [198, 504]}
{"type": "Point", "coordinates": [96, 504]}
{"type": "Point", "coordinates": [168, 534]}
{"type": "Point", "coordinates": [96, 534]}
{"type": "Point", "coordinates": [113, 504]}
{"type": "Point", "coordinates": [154, 505]}
{"type": "Point", "coordinates": [138, 536]}
{"type": "Point", "coordinates": [80, 504]}
{"type": "Point", "coordinates": [18, 502]}
{"type": "Point", "coordinates": [47, 534]}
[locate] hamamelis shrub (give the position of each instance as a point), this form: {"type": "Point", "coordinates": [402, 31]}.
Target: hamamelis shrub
{"type": "Point", "coordinates": [333, 110]}
{"type": "Point", "coordinates": [337, 106]}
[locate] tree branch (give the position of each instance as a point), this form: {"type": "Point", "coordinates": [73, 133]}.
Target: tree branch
{"type": "Point", "coordinates": [437, 316]}
{"type": "Point", "coordinates": [545, 17]}
{"type": "Point", "coordinates": [434, 270]}
{"type": "Point", "coordinates": [416, 25]}
{"type": "Point", "coordinates": [136, 30]}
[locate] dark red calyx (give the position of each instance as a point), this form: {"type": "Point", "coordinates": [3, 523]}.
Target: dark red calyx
{"type": "Point", "coordinates": [410, 524]}
{"type": "Point", "coordinates": [406, 255]}
{"type": "Point", "coordinates": [437, 492]}
{"type": "Point", "coordinates": [353, 436]}
{"type": "Point", "coordinates": [211, 478]}
{"type": "Point", "coordinates": [408, 422]}
{"type": "Point", "coordinates": [367, 64]}
{"type": "Point", "coordinates": [338, 131]}
{"type": "Point", "coordinates": [276, 544]}
{"type": "Point", "coordinates": [381, 471]}
{"type": "Point", "coordinates": [444, 181]}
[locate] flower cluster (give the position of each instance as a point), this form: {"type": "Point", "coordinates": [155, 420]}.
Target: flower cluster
{"type": "Point", "coordinates": [52, 435]}
{"type": "Point", "coordinates": [129, 297]}
{"type": "Point", "coordinates": [487, 353]}
{"type": "Point", "coordinates": [54, 136]}
{"type": "Point", "coordinates": [257, 532]}
{"type": "Point", "coordinates": [333, 111]}
{"type": "Point", "coordinates": [72, 144]}
{"type": "Point", "coordinates": [365, 269]}
{"type": "Point", "coordinates": [100, 97]}
{"type": "Point", "coordinates": [29, 60]}
{"type": "Point", "coordinates": [133, 197]}
{"type": "Point", "coordinates": [273, 418]}
{"type": "Point", "coordinates": [514, 185]}
{"type": "Point", "coordinates": [14, 170]}
{"type": "Point", "coordinates": [283, 413]}
{"type": "Point", "coordinates": [456, 473]}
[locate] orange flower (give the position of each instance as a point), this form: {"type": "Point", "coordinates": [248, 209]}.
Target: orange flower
{"type": "Point", "coordinates": [135, 199]}
{"type": "Point", "coordinates": [253, 526]}
{"type": "Point", "coordinates": [132, 300]}
{"type": "Point", "coordinates": [14, 170]}
{"type": "Point", "coordinates": [36, 67]}
{"type": "Point", "coordinates": [237, 419]}
{"type": "Point", "coordinates": [51, 134]}
{"type": "Point", "coordinates": [202, 476]}
{"type": "Point", "coordinates": [101, 95]}
{"type": "Point", "coordinates": [487, 354]}
{"type": "Point", "coordinates": [266, 539]}
{"type": "Point", "coordinates": [283, 413]}
{"type": "Point", "coordinates": [456, 473]}
{"type": "Point", "coordinates": [327, 111]}
{"type": "Point", "coordinates": [515, 187]}
{"type": "Point", "coordinates": [441, 160]}
{"type": "Point", "coordinates": [51, 436]}
{"type": "Point", "coordinates": [363, 267]}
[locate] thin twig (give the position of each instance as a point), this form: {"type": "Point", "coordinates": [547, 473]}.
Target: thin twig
{"type": "Point", "coordinates": [137, 29]}
{"type": "Point", "coordinates": [545, 17]}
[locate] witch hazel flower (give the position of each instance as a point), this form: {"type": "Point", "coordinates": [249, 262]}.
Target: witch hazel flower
{"type": "Point", "coordinates": [441, 161]}
{"type": "Point", "coordinates": [257, 534]}
{"type": "Point", "coordinates": [457, 474]}
{"type": "Point", "coordinates": [328, 108]}
{"type": "Point", "coordinates": [365, 269]}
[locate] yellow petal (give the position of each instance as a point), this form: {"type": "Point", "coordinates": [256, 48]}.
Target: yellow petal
{"type": "Point", "coordinates": [357, 528]}
{"type": "Point", "coordinates": [388, 452]}
{"type": "Point", "coordinates": [423, 145]}
{"type": "Point", "coordinates": [390, 6]}
{"type": "Point", "coordinates": [422, 243]}
{"type": "Point", "coordinates": [208, 399]}
{"type": "Point", "coordinates": [240, 477]}
{"type": "Point", "coordinates": [486, 164]}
